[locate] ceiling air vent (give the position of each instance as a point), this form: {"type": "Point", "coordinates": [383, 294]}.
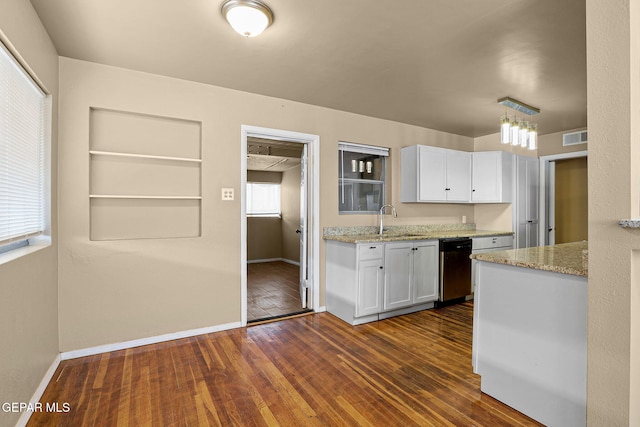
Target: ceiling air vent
{"type": "Point", "coordinates": [574, 138]}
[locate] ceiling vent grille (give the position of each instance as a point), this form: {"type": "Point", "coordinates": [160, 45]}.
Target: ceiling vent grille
{"type": "Point", "coordinates": [574, 138]}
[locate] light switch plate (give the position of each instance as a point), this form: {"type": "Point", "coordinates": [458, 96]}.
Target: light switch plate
{"type": "Point", "coordinates": [227, 194]}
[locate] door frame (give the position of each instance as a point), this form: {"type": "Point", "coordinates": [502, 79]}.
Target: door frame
{"type": "Point", "coordinates": [547, 179]}
{"type": "Point", "coordinates": [313, 212]}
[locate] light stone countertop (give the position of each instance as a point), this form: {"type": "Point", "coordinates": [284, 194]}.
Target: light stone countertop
{"type": "Point", "coordinates": [566, 258]}
{"type": "Point", "coordinates": [401, 233]}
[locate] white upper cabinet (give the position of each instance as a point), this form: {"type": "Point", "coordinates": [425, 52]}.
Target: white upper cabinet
{"type": "Point", "coordinates": [431, 174]}
{"type": "Point", "coordinates": [458, 176]}
{"type": "Point", "coordinates": [492, 177]}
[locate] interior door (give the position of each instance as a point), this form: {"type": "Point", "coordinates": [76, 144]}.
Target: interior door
{"type": "Point", "coordinates": [303, 228]}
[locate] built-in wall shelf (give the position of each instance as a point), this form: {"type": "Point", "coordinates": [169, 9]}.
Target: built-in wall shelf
{"type": "Point", "coordinates": [145, 176]}
{"type": "Point", "coordinates": [143, 156]}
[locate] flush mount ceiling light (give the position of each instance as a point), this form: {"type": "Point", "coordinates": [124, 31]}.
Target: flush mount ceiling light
{"type": "Point", "coordinates": [517, 131]}
{"type": "Point", "coordinates": [247, 17]}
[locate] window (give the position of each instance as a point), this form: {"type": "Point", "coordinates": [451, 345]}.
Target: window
{"type": "Point", "coordinates": [263, 199]}
{"type": "Point", "coordinates": [361, 181]}
{"type": "Point", "coordinates": [24, 114]}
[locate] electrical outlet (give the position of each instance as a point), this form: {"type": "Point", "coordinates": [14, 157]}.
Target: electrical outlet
{"type": "Point", "coordinates": [227, 194]}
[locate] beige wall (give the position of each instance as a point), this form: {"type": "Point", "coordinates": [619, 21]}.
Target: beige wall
{"type": "Point", "coordinates": [291, 214]}
{"type": "Point", "coordinates": [124, 290]}
{"type": "Point", "coordinates": [264, 176]}
{"type": "Point", "coordinates": [264, 235]}
{"type": "Point", "coordinates": [552, 144]}
{"type": "Point", "coordinates": [613, 81]}
{"type": "Point", "coordinates": [269, 238]}
{"type": "Point", "coordinates": [29, 301]}
{"type": "Point", "coordinates": [264, 238]}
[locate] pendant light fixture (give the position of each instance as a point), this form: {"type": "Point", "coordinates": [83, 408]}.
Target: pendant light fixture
{"type": "Point", "coordinates": [505, 129]}
{"type": "Point", "coordinates": [516, 131]}
{"type": "Point", "coordinates": [524, 133]}
{"type": "Point", "coordinates": [533, 136]}
{"type": "Point", "coordinates": [247, 17]}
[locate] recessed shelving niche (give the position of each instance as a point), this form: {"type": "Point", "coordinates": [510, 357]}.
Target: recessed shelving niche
{"type": "Point", "coordinates": [145, 176]}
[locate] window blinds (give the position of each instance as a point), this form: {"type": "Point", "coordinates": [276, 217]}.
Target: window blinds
{"type": "Point", "coordinates": [23, 112]}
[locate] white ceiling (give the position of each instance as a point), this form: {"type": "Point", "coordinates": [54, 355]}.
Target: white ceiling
{"type": "Point", "coordinates": [440, 64]}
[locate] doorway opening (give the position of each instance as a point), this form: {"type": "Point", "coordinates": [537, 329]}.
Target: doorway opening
{"type": "Point", "coordinates": [280, 232]}
{"type": "Point", "coordinates": [564, 198]}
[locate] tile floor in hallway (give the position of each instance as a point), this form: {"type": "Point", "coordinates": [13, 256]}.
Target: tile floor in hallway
{"type": "Point", "coordinates": [272, 290]}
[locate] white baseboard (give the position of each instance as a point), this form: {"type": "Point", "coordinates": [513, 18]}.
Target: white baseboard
{"type": "Point", "coordinates": [37, 395]}
{"type": "Point", "coordinates": [288, 261]}
{"type": "Point", "coordinates": [257, 261]}
{"type": "Point", "coordinates": [90, 351]}
{"type": "Point", "coordinates": [321, 309]}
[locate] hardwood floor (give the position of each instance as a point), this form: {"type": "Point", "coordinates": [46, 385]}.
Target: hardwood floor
{"type": "Point", "coordinates": [272, 290]}
{"type": "Point", "coordinates": [412, 370]}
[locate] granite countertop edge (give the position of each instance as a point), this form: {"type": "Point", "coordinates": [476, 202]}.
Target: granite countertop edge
{"type": "Point", "coordinates": [567, 258]}
{"type": "Point", "coordinates": [434, 235]}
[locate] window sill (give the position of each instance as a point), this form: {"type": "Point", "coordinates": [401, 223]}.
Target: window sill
{"type": "Point", "coordinates": [35, 244]}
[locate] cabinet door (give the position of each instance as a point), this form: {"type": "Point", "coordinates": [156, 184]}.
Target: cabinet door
{"type": "Point", "coordinates": [432, 165]}
{"type": "Point", "coordinates": [527, 193]}
{"type": "Point", "coordinates": [458, 173]}
{"type": "Point", "coordinates": [425, 272]}
{"type": "Point", "coordinates": [486, 177]}
{"type": "Point", "coordinates": [398, 289]}
{"type": "Point", "coordinates": [370, 283]}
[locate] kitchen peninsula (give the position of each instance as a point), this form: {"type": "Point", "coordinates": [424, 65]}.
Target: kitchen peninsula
{"type": "Point", "coordinates": [530, 330]}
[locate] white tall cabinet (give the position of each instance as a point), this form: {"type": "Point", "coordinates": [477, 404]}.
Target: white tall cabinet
{"type": "Point", "coordinates": [526, 221]}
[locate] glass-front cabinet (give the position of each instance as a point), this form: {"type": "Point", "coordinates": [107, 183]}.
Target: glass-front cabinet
{"type": "Point", "coordinates": [361, 178]}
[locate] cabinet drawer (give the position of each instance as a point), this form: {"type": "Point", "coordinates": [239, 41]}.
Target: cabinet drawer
{"type": "Point", "coordinates": [370, 251]}
{"type": "Point", "coordinates": [505, 242]}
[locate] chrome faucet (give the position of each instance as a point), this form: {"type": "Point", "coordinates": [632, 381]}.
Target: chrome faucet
{"type": "Point", "coordinates": [393, 211]}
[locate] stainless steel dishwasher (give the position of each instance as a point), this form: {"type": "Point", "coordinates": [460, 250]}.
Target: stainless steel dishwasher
{"type": "Point", "coordinates": [455, 270]}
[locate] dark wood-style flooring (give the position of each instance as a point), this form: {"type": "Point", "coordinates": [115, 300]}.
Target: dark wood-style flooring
{"type": "Point", "coordinates": [412, 370]}
{"type": "Point", "coordinates": [272, 290]}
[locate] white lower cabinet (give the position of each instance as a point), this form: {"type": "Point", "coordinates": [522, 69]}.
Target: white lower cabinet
{"type": "Point", "coordinates": [398, 289]}
{"type": "Point", "coordinates": [426, 276]}
{"type": "Point", "coordinates": [367, 282]}
{"type": "Point", "coordinates": [370, 280]}
{"type": "Point", "coordinates": [411, 273]}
